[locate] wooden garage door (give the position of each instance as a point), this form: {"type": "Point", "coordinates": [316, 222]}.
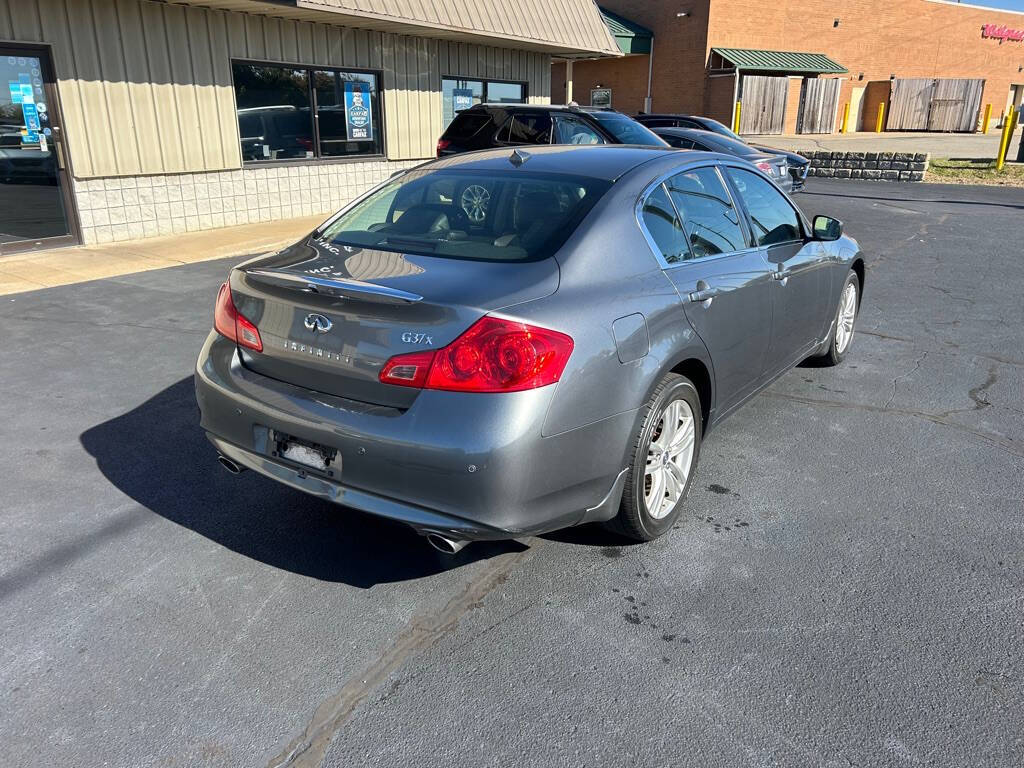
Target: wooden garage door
{"type": "Point", "coordinates": [955, 105]}
{"type": "Point", "coordinates": [909, 104]}
{"type": "Point", "coordinates": [819, 99]}
{"type": "Point", "coordinates": [926, 104]}
{"type": "Point", "coordinates": [763, 104]}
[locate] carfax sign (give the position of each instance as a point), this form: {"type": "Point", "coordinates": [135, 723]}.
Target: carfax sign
{"type": "Point", "coordinates": [462, 98]}
{"type": "Point", "coordinates": [358, 117]}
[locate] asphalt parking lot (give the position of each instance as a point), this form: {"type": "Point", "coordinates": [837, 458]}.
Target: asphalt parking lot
{"type": "Point", "coordinates": [845, 589]}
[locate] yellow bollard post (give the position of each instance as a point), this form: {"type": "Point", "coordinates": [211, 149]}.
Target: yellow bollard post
{"type": "Point", "coordinates": [985, 120]}
{"type": "Point", "coordinates": [1004, 142]}
{"type": "Point", "coordinates": [846, 117]}
{"type": "Point", "coordinates": [736, 117]}
{"type": "Point", "coordinates": [881, 116]}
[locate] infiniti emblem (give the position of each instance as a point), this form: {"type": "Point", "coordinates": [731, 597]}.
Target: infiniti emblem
{"type": "Point", "coordinates": [315, 322]}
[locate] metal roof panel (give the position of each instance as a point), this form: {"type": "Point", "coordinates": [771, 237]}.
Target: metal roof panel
{"type": "Point", "coordinates": [780, 61]}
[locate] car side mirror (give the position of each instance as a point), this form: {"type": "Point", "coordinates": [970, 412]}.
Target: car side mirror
{"type": "Point", "coordinates": [827, 229]}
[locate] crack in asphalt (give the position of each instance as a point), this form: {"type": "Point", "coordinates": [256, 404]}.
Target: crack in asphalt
{"type": "Point", "coordinates": [991, 438]}
{"type": "Point", "coordinates": [978, 394]}
{"type": "Point", "coordinates": [949, 344]}
{"type": "Point", "coordinates": [310, 747]}
{"type": "Point", "coordinates": [895, 381]}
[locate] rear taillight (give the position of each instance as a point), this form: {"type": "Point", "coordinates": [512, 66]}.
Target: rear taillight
{"type": "Point", "coordinates": [229, 322]}
{"type": "Point", "coordinates": [765, 166]}
{"type": "Point", "coordinates": [494, 355]}
{"type": "Point", "coordinates": [442, 145]}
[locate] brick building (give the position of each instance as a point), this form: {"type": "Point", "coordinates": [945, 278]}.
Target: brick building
{"type": "Point", "coordinates": [934, 64]}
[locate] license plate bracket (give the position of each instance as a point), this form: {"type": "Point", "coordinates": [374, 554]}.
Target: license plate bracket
{"type": "Point", "coordinates": [319, 458]}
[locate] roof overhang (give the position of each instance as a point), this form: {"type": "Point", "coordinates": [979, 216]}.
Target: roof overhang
{"type": "Point", "coordinates": [569, 29]}
{"type": "Point", "coordinates": [788, 62]}
{"type": "Point", "coordinates": [631, 38]}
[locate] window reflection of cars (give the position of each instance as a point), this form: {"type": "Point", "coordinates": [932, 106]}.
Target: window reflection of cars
{"type": "Point", "coordinates": [24, 163]}
{"type": "Point", "coordinates": [275, 132]}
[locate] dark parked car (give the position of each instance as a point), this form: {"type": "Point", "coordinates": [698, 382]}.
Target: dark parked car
{"type": "Point", "coordinates": [706, 141]}
{"type": "Point", "coordinates": [798, 164]}
{"type": "Point", "coordinates": [504, 343]}
{"type": "Point", "coordinates": [485, 126]}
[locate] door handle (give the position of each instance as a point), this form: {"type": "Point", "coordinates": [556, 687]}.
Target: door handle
{"type": "Point", "coordinates": [704, 293]}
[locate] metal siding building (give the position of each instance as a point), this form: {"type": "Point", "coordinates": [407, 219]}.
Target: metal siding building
{"type": "Point", "coordinates": [146, 94]}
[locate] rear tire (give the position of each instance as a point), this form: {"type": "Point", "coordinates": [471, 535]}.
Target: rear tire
{"type": "Point", "coordinates": [845, 321]}
{"type": "Point", "coordinates": [665, 453]}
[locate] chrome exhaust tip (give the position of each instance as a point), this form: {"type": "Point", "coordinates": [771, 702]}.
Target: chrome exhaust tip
{"type": "Point", "coordinates": [229, 465]}
{"type": "Point", "coordinates": [445, 545]}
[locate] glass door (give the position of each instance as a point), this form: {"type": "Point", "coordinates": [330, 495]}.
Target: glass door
{"type": "Point", "coordinates": [36, 206]}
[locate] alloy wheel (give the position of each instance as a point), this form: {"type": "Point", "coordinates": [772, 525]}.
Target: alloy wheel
{"type": "Point", "coordinates": [475, 200]}
{"type": "Point", "coordinates": [669, 459]}
{"type": "Point", "coordinates": [846, 317]}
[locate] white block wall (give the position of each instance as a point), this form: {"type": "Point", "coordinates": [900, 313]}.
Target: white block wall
{"type": "Point", "coordinates": [133, 207]}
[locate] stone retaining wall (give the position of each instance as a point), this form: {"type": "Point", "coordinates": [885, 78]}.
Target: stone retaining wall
{"type": "Point", "coordinates": [879, 166]}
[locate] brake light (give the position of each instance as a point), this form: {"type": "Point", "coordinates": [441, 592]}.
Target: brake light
{"type": "Point", "coordinates": [494, 355]}
{"type": "Point", "coordinates": [442, 145]}
{"type": "Point", "coordinates": [765, 166]}
{"type": "Point", "coordinates": [232, 324]}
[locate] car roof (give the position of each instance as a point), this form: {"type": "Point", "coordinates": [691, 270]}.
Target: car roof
{"type": "Point", "coordinates": [671, 114]}
{"type": "Point", "coordinates": [515, 106]}
{"type": "Point", "coordinates": [711, 137]}
{"type": "Point", "coordinates": [692, 132]}
{"type": "Point", "coordinates": [600, 161]}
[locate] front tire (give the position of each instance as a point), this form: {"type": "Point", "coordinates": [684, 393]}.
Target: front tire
{"type": "Point", "coordinates": [845, 321]}
{"type": "Point", "coordinates": [665, 456]}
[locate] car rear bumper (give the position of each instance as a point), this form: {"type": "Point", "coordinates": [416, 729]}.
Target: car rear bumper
{"type": "Point", "coordinates": [470, 466]}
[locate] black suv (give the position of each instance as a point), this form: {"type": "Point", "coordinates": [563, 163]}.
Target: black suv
{"type": "Point", "coordinates": [798, 164]}
{"type": "Point", "coordinates": [484, 126]}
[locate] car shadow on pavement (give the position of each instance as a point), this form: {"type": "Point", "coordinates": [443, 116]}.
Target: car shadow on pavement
{"type": "Point", "coordinates": [158, 455]}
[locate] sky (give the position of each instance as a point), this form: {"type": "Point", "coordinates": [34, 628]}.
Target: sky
{"type": "Point", "coordinates": [1011, 5]}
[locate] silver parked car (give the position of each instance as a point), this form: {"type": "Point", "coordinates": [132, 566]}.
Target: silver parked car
{"type": "Point", "coordinates": [504, 343]}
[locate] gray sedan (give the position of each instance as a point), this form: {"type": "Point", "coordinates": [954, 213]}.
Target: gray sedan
{"type": "Point", "coordinates": [505, 343]}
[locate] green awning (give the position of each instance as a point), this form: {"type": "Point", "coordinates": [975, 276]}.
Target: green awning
{"type": "Point", "coordinates": [780, 61]}
{"type": "Point", "coordinates": [630, 36]}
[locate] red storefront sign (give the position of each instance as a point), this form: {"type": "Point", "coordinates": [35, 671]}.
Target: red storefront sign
{"type": "Point", "coordinates": [1002, 32]}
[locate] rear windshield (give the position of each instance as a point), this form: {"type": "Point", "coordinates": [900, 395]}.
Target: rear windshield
{"type": "Point", "coordinates": [494, 216]}
{"type": "Point", "coordinates": [466, 125]}
{"type": "Point", "coordinates": [626, 129]}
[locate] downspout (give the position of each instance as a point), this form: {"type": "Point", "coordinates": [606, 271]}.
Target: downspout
{"type": "Point", "coordinates": [650, 71]}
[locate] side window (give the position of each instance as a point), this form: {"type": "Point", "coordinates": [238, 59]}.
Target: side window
{"type": "Point", "coordinates": [774, 219]}
{"type": "Point", "coordinates": [710, 220]}
{"type": "Point", "coordinates": [663, 224]}
{"type": "Point", "coordinates": [530, 128]}
{"type": "Point", "coordinates": [572, 130]}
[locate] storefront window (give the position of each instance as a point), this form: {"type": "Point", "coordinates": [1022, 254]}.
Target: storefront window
{"type": "Point", "coordinates": [288, 113]}
{"type": "Point", "coordinates": [458, 94]}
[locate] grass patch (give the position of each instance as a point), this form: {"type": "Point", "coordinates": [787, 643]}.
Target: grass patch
{"type": "Point", "coordinates": [943, 170]}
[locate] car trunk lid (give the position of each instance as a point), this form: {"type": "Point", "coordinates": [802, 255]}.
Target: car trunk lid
{"type": "Point", "coordinates": [330, 316]}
